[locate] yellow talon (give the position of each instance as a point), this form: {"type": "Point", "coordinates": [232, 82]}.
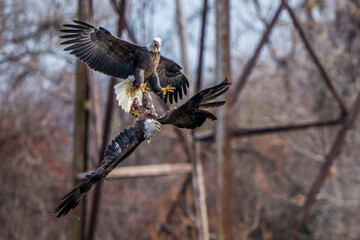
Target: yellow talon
{"type": "Point", "coordinates": [168, 89]}
{"type": "Point", "coordinates": [144, 87]}
{"type": "Point", "coordinates": [133, 111]}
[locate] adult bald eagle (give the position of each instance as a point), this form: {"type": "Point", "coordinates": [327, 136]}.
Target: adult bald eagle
{"type": "Point", "coordinates": [189, 115]}
{"type": "Point", "coordinates": [138, 67]}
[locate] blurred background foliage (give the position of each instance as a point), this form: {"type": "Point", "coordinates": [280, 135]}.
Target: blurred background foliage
{"type": "Point", "coordinates": [272, 173]}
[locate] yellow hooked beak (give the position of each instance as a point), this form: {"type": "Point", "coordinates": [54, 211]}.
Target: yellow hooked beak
{"type": "Point", "coordinates": [157, 46]}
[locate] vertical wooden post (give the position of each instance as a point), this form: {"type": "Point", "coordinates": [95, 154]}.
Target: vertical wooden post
{"type": "Point", "coordinates": [81, 115]}
{"type": "Point", "coordinates": [197, 174]}
{"type": "Point", "coordinates": [223, 142]}
{"type": "Point", "coordinates": [199, 192]}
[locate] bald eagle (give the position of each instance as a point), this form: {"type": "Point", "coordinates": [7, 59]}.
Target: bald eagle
{"type": "Point", "coordinates": [189, 115]}
{"type": "Point", "coordinates": [139, 68]}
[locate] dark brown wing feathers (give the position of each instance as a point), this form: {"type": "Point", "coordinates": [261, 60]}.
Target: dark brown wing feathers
{"type": "Point", "coordinates": [123, 145]}
{"type": "Point", "coordinates": [101, 50]}
{"type": "Point", "coordinates": [170, 74]}
{"type": "Point", "coordinates": [190, 114]}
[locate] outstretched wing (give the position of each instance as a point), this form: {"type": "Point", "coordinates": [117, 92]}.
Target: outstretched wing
{"type": "Point", "coordinates": [99, 49]}
{"type": "Point", "coordinates": [123, 145]}
{"type": "Point", "coordinates": [170, 74]}
{"type": "Point", "coordinates": [190, 114]}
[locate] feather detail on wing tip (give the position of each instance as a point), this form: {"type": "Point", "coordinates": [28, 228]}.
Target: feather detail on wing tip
{"type": "Point", "coordinates": [70, 201]}
{"type": "Point", "coordinates": [226, 81]}
{"type": "Point", "coordinates": [126, 93]}
{"type": "Point", "coordinates": [212, 104]}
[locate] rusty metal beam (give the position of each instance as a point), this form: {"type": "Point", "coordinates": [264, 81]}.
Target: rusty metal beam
{"type": "Point", "coordinates": [323, 72]}
{"type": "Point", "coordinates": [240, 83]}
{"type": "Point", "coordinates": [329, 160]}
{"type": "Point", "coordinates": [153, 170]}
{"type": "Point", "coordinates": [244, 132]}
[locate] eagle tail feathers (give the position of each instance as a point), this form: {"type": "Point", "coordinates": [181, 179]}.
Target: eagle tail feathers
{"type": "Point", "coordinates": [72, 199]}
{"type": "Point", "coordinates": [126, 93]}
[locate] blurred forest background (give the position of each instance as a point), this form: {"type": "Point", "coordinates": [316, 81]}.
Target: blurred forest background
{"type": "Point", "coordinates": [271, 173]}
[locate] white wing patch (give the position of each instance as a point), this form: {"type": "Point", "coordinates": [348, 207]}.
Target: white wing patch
{"type": "Point", "coordinates": [126, 93]}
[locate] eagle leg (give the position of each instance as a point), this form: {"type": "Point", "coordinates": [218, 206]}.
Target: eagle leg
{"type": "Point", "coordinates": [167, 89]}
{"type": "Point", "coordinates": [144, 87]}
{"type": "Point", "coordinates": [135, 109]}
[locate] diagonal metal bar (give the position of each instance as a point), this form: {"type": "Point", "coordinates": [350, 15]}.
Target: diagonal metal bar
{"type": "Point", "coordinates": [315, 59]}
{"type": "Point", "coordinates": [240, 83]}
{"type": "Point", "coordinates": [329, 160]}
{"type": "Point", "coordinates": [243, 132]}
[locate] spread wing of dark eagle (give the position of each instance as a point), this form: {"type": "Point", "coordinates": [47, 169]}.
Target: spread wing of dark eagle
{"type": "Point", "coordinates": [123, 145]}
{"type": "Point", "coordinates": [99, 49]}
{"type": "Point", "coordinates": [189, 115]}
{"type": "Point", "coordinates": [192, 114]}
{"type": "Point", "coordinates": [108, 54]}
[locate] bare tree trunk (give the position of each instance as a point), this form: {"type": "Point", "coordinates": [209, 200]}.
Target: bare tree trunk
{"type": "Point", "coordinates": [95, 116]}
{"type": "Point", "coordinates": [202, 45]}
{"type": "Point", "coordinates": [120, 9]}
{"type": "Point", "coordinates": [223, 142]}
{"type": "Point", "coordinates": [182, 34]}
{"type": "Point", "coordinates": [197, 175]}
{"type": "Point", "coordinates": [81, 114]}
{"type": "Point", "coordinates": [97, 192]}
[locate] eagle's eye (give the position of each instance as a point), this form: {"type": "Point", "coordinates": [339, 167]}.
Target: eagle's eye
{"type": "Point", "coordinates": [156, 45]}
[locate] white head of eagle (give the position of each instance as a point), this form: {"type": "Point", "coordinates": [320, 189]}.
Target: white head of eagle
{"type": "Point", "coordinates": [154, 45]}
{"type": "Point", "coordinates": [151, 127]}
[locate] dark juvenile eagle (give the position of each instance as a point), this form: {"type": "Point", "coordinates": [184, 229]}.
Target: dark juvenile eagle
{"type": "Point", "coordinates": [189, 115]}
{"type": "Point", "coordinates": [138, 67]}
